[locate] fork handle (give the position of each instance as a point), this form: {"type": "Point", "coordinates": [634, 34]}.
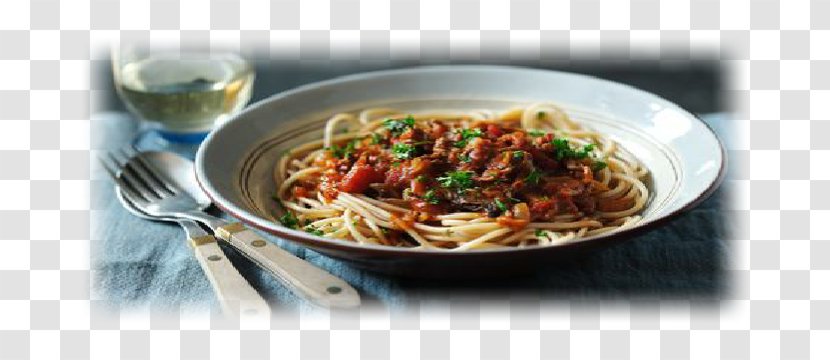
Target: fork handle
{"type": "Point", "coordinates": [300, 276]}
{"type": "Point", "coordinates": [235, 294]}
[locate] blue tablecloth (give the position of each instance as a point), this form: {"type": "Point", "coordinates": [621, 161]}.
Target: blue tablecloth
{"type": "Point", "coordinates": [138, 262]}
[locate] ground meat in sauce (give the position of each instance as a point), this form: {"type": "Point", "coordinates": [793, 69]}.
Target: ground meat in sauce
{"type": "Point", "coordinates": [490, 167]}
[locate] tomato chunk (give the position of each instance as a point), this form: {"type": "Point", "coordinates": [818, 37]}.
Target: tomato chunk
{"type": "Point", "coordinates": [494, 131]}
{"type": "Point", "coordinates": [300, 192]}
{"type": "Point", "coordinates": [357, 180]}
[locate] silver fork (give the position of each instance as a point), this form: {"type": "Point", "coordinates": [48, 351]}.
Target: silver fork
{"type": "Point", "coordinates": [149, 193]}
{"type": "Point", "coordinates": [301, 277]}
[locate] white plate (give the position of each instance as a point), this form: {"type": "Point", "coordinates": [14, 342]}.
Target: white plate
{"type": "Point", "coordinates": [234, 164]}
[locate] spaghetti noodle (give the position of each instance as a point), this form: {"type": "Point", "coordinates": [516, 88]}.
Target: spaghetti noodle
{"type": "Point", "coordinates": [460, 181]}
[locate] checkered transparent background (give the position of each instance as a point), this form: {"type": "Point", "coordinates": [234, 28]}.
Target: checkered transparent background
{"type": "Point", "coordinates": [777, 57]}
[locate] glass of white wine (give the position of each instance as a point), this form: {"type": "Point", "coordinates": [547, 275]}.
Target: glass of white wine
{"type": "Point", "coordinates": [181, 95]}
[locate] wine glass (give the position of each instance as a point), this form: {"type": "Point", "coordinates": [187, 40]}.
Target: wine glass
{"type": "Point", "coordinates": [179, 95]}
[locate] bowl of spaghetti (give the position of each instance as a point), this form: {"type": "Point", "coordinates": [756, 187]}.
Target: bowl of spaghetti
{"type": "Point", "coordinates": [434, 171]}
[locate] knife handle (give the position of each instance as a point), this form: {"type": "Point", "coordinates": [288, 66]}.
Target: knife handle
{"type": "Point", "coordinates": [301, 277]}
{"type": "Point", "coordinates": [235, 294]}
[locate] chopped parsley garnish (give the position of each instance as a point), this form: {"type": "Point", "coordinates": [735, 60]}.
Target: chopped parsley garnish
{"type": "Point", "coordinates": [467, 135]}
{"type": "Point", "coordinates": [581, 154]}
{"type": "Point", "coordinates": [459, 180]}
{"type": "Point", "coordinates": [536, 133]}
{"type": "Point", "coordinates": [599, 165]}
{"type": "Point", "coordinates": [533, 177]}
{"type": "Point", "coordinates": [422, 178]}
{"type": "Point", "coordinates": [500, 205]}
{"type": "Point", "coordinates": [430, 197]}
{"type": "Point", "coordinates": [336, 151]}
{"type": "Point", "coordinates": [314, 231]}
{"type": "Point", "coordinates": [399, 126]}
{"type": "Point", "coordinates": [376, 138]}
{"type": "Point", "coordinates": [289, 220]}
{"type": "Point", "coordinates": [403, 151]}
{"type": "Point", "coordinates": [518, 155]}
{"type": "Point", "coordinates": [540, 115]}
{"type": "Point", "coordinates": [562, 149]}
{"type": "Point", "coordinates": [343, 152]}
{"type": "Point", "coordinates": [540, 232]}
{"type": "Point", "coordinates": [464, 158]}
{"type": "Point", "coordinates": [396, 164]}
{"type": "Point", "coordinates": [347, 152]}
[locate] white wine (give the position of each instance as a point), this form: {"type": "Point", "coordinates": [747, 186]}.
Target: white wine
{"type": "Point", "coordinates": [185, 95]}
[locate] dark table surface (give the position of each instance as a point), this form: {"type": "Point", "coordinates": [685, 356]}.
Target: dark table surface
{"type": "Point", "coordinates": [140, 262]}
{"type": "Point", "coordinates": [694, 85]}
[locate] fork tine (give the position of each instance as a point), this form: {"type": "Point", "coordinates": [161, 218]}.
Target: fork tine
{"type": "Point", "coordinates": [134, 198]}
{"type": "Point", "coordinates": [129, 176]}
{"type": "Point", "coordinates": [127, 189]}
{"type": "Point", "coordinates": [151, 185]}
{"type": "Point", "coordinates": [149, 171]}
